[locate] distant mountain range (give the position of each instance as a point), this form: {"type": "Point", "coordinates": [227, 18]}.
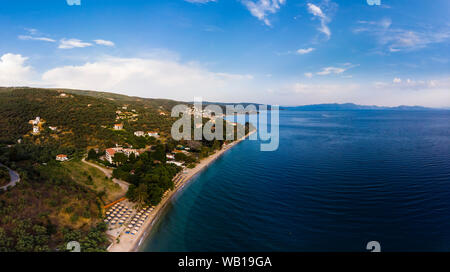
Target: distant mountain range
{"type": "Point", "coordinates": [351, 106]}
{"type": "Point", "coordinates": [331, 107]}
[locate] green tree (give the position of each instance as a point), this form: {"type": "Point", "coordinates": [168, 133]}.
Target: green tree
{"type": "Point", "coordinates": [92, 155]}
{"type": "Point", "coordinates": [141, 194]}
{"type": "Point", "coordinates": [120, 158]}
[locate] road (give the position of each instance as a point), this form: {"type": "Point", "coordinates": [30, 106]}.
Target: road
{"type": "Point", "coordinates": [108, 172]}
{"type": "Point", "coordinates": [15, 178]}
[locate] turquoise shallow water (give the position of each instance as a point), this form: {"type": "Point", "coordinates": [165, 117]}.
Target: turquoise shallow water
{"type": "Point", "coordinates": [338, 180]}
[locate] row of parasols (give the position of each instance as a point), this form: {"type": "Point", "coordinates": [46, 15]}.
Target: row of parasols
{"type": "Point", "coordinates": [138, 220]}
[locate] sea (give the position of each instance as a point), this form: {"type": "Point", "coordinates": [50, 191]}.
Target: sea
{"type": "Point", "coordinates": [338, 180]}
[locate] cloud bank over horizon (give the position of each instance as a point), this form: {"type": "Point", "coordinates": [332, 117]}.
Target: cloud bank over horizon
{"type": "Point", "coordinates": [168, 78]}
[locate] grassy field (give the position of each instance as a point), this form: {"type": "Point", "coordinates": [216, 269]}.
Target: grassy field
{"type": "Point", "coordinates": [94, 179]}
{"type": "Point", "coordinates": [4, 176]}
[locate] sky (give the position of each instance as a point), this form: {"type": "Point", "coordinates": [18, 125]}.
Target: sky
{"type": "Point", "coordinates": [286, 52]}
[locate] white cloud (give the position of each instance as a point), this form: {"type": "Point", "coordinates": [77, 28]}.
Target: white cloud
{"type": "Point", "coordinates": [399, 39]}
{"type": "Point", "coordinates": [397, 80]}
{"type": "Point", "coordinates": [104, 42]}
{"type": "Point", "coordinates": [324, 20]}
{"type": "Point", "coordinates": [305, 51]}
{"type": "Point", "coordinates": [315, 10]}
{"type": "Point", "coordinates": [308, 75]}
{"type": "Point", "coordinates": [331, 70]}
{"type": "Point", "coordinates": [27, 37]}
{"type": "Point", "coordinates": [430, 93]}
{"type": "Point", "coordinates": [149, 77]}
{"type": "Point", "coordinates": [262, 8]}
{"type": "Point", "coordinates": [336, 70]}
{"type": "Point", "coordinates": [200, 1]}
{"type": "Point", "coordinates": [32, 31]}
{"type": "Point", "coordinates": [73, 2]}
{"type": "Point", "coordinates": [14, 71]}
{"type": "Point", "coordinates": [72, 43]}
{"type": "Point", "coordinates": [170, 78]}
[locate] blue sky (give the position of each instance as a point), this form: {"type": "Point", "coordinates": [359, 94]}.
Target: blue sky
{"type": "Point", "coordinates": [270, 51]}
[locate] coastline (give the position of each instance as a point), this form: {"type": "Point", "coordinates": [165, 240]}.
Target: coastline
{"type": "Point", "coordinates": [130, 243]}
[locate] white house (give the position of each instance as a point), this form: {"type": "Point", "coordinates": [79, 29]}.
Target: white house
{"type": "Point", "coordinates": [118, 126]}
{"type": "Point", "coordinates": [61, 157]}
{"type": "Point", "coordinates": [35, 129]}
{"type": "Point", "coordinates": [129, 151]}
{"type": "Point", "coordinates": [176, 163]}
{"type": "Point", "coordinates": [170, 156]}
{"type": "Point", "coordinates": [52, 128]}
{"type": "Point", "coordinates": [153, 134]}
{"type": "Point", "coordinates": [110, 152]}
{"type": "Point", "coordinates": [139, 133]}
{"type": "Point", "coordinates": [35, 121]}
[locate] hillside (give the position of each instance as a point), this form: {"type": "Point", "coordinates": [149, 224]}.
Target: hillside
{"type": "Point", "coordinates": [82, 118]}
{"type": "Point", "coordinates": [57, 202]}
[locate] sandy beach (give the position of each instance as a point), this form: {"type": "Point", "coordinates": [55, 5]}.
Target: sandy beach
{"type": "Point", "coordinates": [129, 243]}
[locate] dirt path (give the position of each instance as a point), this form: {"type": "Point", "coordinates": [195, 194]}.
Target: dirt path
{"type": "Point", "coordinates": [15, 178]}
{"type": "Point", "coordinates": [108, 172]}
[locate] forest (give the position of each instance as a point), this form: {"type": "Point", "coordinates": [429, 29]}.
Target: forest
{"type": "Point", "coordinates": [4, 176]}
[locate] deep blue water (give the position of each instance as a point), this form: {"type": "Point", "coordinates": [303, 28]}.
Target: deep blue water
{"type": "Point", "coordinates": [338, 180]}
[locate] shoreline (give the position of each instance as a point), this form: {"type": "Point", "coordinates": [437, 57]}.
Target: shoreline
{"type": "Point", "coordinates": [130, 243]}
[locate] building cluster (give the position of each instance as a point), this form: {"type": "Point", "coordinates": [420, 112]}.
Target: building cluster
{"type": "Point", "coordinates": [203, 113]}
{"type": "Point", "coordinates": [149, 133]}
{"type": "Point", "coordinates": [124, 114]}
{"type": "Point", "coordinates": [35, 123]}
{"type": "Point", "coordinates": [110, 152]}
{"type": "Point", "coordinates": [171, 160]}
